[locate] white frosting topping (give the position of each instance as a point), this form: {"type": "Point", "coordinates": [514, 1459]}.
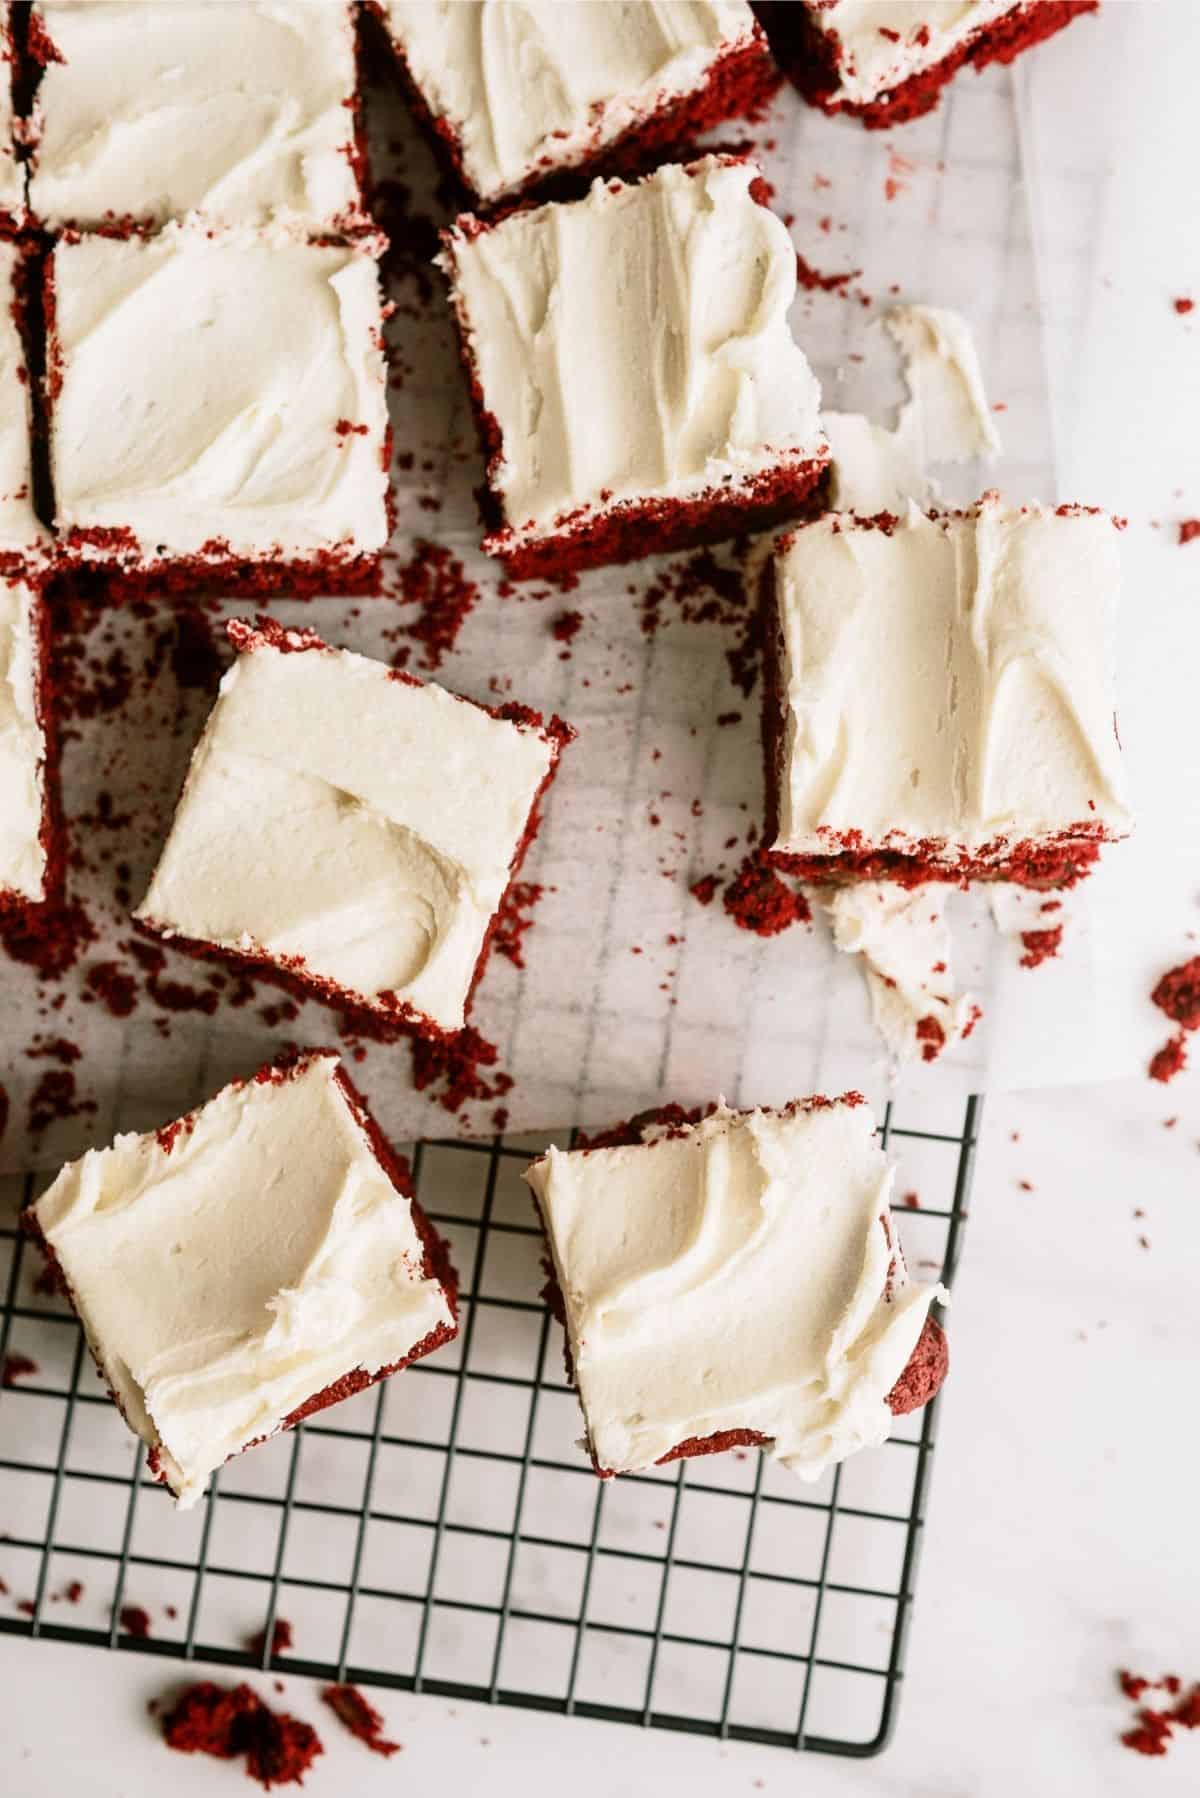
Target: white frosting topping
{"type": "Point", "coordinates": [886, 42]}
{"type": "Point", "coordinates": [225, 1281]}
{"type": "Point", "coordinates": [635, 344]}
{"type": "Point", "coordinates": [12, 178]}
{"type": "Point", "coordinates": [531, 88]}
{"type": "Point", "coordinates": [19, 527]}
{"type": "Point", "coordinates": [363, 823]}
{"type": "Point", "coordinates": [946, 417]}
{"type": "Point", "coordinates": [904, 941]}
{"type": "Point", "coordinates": [22, 747]}
{"type": "Point", "coordinates": [243, 113]}
{"type": "Point", "coordinates": [743, 1276]}
{"type": "Point", "coordinates": [203, 384]}
{"type": "Point", "coordinates": [951, 683]}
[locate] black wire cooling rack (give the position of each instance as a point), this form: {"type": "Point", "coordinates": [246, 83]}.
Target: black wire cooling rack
{"type": "Point", "coordinates": [442, 1532]}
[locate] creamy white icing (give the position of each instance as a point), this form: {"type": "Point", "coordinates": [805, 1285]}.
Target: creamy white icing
{"type": "Point", "coordinates": [226, 1280]}
{"type": "Point", "coordinates": [743, 1276]}
{"type": "Point", "coordinates": [363, 823]}
{"type": "Point", "coordinates": [240, 112]}
{"type": "Point", "coordinates": [635, 344]}
{"type": "Point", "coordinates": [12, 177]}
{"type": "Point", "coordinates": [203, 384]}
{"type": "Point", "coordinates": [951, 683]}
{"type": "Point", "coordinates": [527, 89]}
{"type": "Point", "coordinates": [19, 527]}
{"type": "Point", "coordinates": [946, 417]}
{"type": "Point", "coordinates": [920, 35]}
{"type": "Point", "coordinates": [903, 938]}
{"type": "Point", "coordinates": [22, 746]}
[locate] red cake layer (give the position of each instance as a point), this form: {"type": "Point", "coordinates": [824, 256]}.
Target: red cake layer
{"type": "Point", "coordinates": [386, 1017]}
{"type": "Point", "coordinates": [739, 82]}
{"type": "Point", "coordinates": [921, 1379]}
{"type": "Point", "coordinates": [810, 56]}
{"type": "Point", "coordinates": [436, 1263]}
{"type": "Point", "coordinates": [1057, 861]}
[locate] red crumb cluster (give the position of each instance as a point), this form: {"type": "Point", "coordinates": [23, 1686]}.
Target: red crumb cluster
{"type": "Point", "coordinates": [135, 1621]}
{"type": "Point", "coordinates": [1189, 528]}
{"type": "Point", "coordinates": [282, 1638]}
{"type": "Point", "coordinates": [1155, 1725]}
{"type": "Point", "coordinates": [228, 1722]}
{"type": "Point", "coordinates": [1178, 995]}
{"type": "Point", "coordinates": [758, 898]}
{"type": "Point", "coordinates": [514, 919]}
{"type": "Point", "coordinates": [360, 1717]}
{"type": "Point", "coordinates": [455, 1069]}
{"type": "Point", "coordinates": [1040, 945]}
{"type": "Point", "coordinates": [17, 1367]}
{"type": "Point", "coordinates": [702, 590]}
{"type": "Point", "coordinates": [436, 583]}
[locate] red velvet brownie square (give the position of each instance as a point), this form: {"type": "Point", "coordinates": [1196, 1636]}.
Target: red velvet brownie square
{"type": "Point", "coordinates": [246, 1265]}
{"type": "Point", "coordinates": [515, 95]}
{"type": "Point", "coordinates": [734, 1277]}
{"type": "Point", "coordinates": [887, 61]}
{"type": "Point", "coordinates": [351, 828]}
{"type": "Point", "coordinates": [939, 699]}
{"type": "Point", "coordinates": [218, 410]}
{"type": "Point", "coordinates": [636, 384]}
{"type": "Point", "coordinates": [246, 115]}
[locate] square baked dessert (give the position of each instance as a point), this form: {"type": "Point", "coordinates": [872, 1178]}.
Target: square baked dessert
{"type": "Point", "coordinates": [246, 1265]}
{"type": "Point", "coordinates": [887, 61]}
{"type": "Point", "coordinates": [352, 829]}
{"type": "Point", "coordinates": [144, 112]}
{"type": "Point", "coordinates": [635, 381]}
{"type": "Point", "coordinates": [514, 95]}
{"type": "Point", "coordinates": [218, 411]}
{"type": "Point", "coordinates": [735, 1279]}
{"type": "Point", "coordinates": [31, 839]}
{"type": "Point", "coordinates": [939, 696]}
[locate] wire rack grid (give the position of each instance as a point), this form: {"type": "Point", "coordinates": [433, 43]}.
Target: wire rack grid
{"type": "Point", "coordinates": [443, 1532]}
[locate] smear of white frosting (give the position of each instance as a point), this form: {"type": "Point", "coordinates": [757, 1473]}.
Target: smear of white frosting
{"type": "Point", "coordinates": [635, 344]}
{"type": "Point", "coordinates": [742, 1276]}
{"type": "Point", "coordinates": [22, 746]}
{"type": "Point", "coordinates": [880, 45]}
{"type": "Point", "coordinates": [224, 1282]}
{"type": "Point", "coordinates": [531, 88]}
{"type": "Point", "coordinates": [361, 823]}
{"type": "Point", "coordinates": [241, 112]}
{"type": "Point", "coordinates": [12, 176]}
{"type": "Point", "coordinates": [903, 939]}
{"type": "Point", "coordinates": [950, 683]}
{"type": "Point", "coordinates": [213, 389]}
{"type": "Point", "coordinates": [946, 417]}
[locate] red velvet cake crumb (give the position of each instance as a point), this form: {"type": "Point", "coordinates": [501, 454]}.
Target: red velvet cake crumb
{"type": "Point", "coordinates": [1178, 994]}
{"type": "Point", "coordinates": [1154, 1727]}
{"type": "Point", "coordinates": [813, 281]}
{"type": "Point", "coordinates": [514, 918]}
{"type": "Point", "coordinates": [758, 899]}
{"type": "Point", "coordinates": [211, 1719]}
{"type": "Point", "coordinates": [116, 990]}
{"type": "Point", "coordinates": [932, 1038]}
{"type": "Point", "coordinates": [50, 938]}
{"type": "Point", "coordinates": [1040, 945]}
{"type": "Point", "coordinates": [56, 1098]}
{"type": "Point", "coordinates": [135, 1620]}
{"type": "Point", "coordinates": [1170, 1060]}
{"type": "Point", "coordinates": [450, 1069]}
{"type": "Point", "coordinates": [566, 626]}
{"type": "Point", "coordinates": [360, 1718]}
{"type": "Point", "coordinates": [282, 1638]}
{"type": "Point", "coordinates": [705, 889]}
{"type": "Point", "coordinates": [435, 581]}
{"type": "Point", "coordinates": [1188, 529]}
{"type": "Point", "coordinates": [17, 1367]}
{"type": "Point", "coordinates": [1183, 305]}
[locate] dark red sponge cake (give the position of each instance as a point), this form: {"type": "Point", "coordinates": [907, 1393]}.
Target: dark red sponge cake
{"type": "Point", "coordinates": [888, 63]}
{"type": "Point", "coordinates": [635, 381]}
{"type": "Point", "coordinates": [733, 1278]}
{"type": "Point", "coordinates": [246, 1265]}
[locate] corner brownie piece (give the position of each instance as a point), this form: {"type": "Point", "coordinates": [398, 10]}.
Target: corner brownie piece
{"type": "Point", "coordinates": [517, 94]}
{"type": "Point", "coordinates": [887, 61]}
{"type": "Point", "coordinates": [246, 114]}
{"type": "Point", "coordinates": [939, 700]}
{"type": "Point", "coordinates": [635, 381]}
{"type": "Point", "coordinates": [351, 828]}
{"type": "Point", "coordinates": [734, 1279]}
{"type": "Point", "coordinates": [218, 410]}
{"type": "Point", "coordinates": [247, 1265]}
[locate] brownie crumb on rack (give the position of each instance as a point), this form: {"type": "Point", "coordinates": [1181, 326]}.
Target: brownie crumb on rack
{"type": "Point", "coordinates": [227, 1722]}
{"type": "Point", "coordinates": [360, 1717]}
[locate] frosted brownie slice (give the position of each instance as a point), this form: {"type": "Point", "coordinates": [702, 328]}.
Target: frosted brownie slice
{"type": "Point", "coordinates": [351, 828]}
{"type": "Point", "coordinates": [886, 61]}
{"type": "Point", "coordinates": [737, 1280]}
{"type": "Point", "coordinates": [218, 410]}
{"type": "Point", "coordinates": [514, 95]}
{"type": "Point", "coordinates": [635, 381]}
{"type": "Point", "coordinates": [246, 1266]}
{"type": "Point", "coordinates": [939, 701]}
{"type": "Point", "coordinates": [246, 114]}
